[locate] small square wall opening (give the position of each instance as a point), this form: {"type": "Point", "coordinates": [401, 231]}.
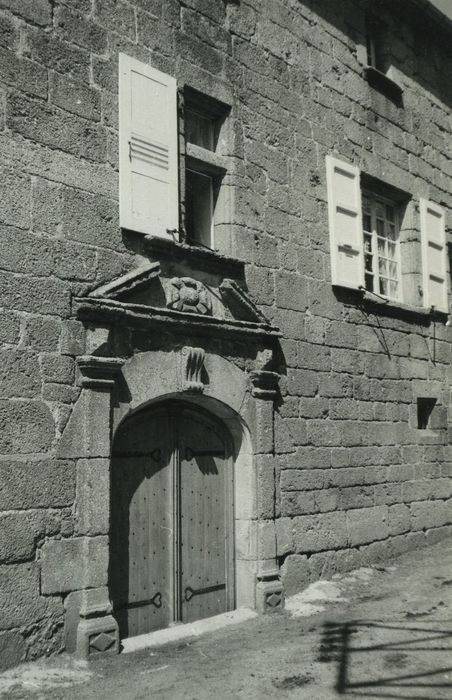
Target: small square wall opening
{"type": "Point", "coordinates": [425, 408]}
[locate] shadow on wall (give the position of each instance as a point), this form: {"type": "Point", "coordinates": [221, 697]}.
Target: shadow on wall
{"type": "Point", "coordinates": [399, 660]}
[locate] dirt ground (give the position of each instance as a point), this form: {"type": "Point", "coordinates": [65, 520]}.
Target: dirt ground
{"type": "Point", "coordinates": [381, 632]}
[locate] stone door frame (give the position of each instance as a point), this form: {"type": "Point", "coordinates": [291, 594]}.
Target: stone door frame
{"type": "Point", "coordinates": [242, 400]}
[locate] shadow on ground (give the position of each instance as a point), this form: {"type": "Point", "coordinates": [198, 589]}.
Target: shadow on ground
{"type": "Point", "coordinates": [383, 651]}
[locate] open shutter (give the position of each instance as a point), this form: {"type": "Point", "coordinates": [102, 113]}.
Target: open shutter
{"type": "Point", "coordinates": [434, 261]}
{"type": "Point", "coordinates": [148, 155]}
{"type": "Point", "coordinates": [345, 221]}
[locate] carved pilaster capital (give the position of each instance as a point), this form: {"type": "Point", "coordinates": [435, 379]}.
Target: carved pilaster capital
{"type": "Point", "coordinates": [98, 372]}
{"type": "Point", "coordinates": [264, 384]}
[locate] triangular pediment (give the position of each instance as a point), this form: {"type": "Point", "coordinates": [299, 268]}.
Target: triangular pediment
{"type": "Point", "coordinates": [129, 285]}
{"type": "Point", "coordinates": [150, 286]}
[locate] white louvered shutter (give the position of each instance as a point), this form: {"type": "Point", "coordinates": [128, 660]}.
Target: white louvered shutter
{"type": "Point", "coordinates": [345, 223]}
{"type": "Point", "coordinates": [148, 154]}
{"type": "Point", "coordinates": [434, 255]}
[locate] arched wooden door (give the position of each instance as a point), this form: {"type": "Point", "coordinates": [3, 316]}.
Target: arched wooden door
{"type": "Point", "coordinates": [171, 542]}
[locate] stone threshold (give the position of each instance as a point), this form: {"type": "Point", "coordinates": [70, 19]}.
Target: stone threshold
{"type": "Point", "coordinates": [185, 631]}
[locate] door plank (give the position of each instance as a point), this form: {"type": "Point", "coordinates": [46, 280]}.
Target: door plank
{"type": "Point", "coordinates": [141, 531]}
{"type": "Point", "coordinates": [204, 521]}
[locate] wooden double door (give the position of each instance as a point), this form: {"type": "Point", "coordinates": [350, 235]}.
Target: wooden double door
{"type": "Point", "coordinates": [171, 538]}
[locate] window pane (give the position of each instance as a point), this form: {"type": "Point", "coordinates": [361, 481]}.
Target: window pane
{"type": "Point", "coordinates": [199, 208]}
{"type": "Point", "coordinates": [380, 210]}
{"type": "Point", "coordinates": [392, 232]}
{"type": "Point", "coordinates": [382, 268]}
{"type": "Point", "coordinates": [366, 222]}
{"type": "Point", "coordinates": [369, 282]}
{"type": "Point", "coordinates": [367, 243]}
{"type": "Point", "coordinates": [391, 250]}
{"type": "Point", "coordinates": [383, 286]}
{"type": "Point", "coordinates": [369, 263]}
{"type": "Point", "coordinates": [199, 130]}
{"type": "Point", "coordinates": [380, 227]}
{"type": "Point", "coordinates": [393, 270]}
{"type": "Point", "coordinates": [393, 289]}
{"type": "Point", "coordinates": [381, 246]}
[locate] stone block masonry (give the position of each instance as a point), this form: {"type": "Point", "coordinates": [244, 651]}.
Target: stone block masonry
{"type": "Point", "coordinates": [344, 472]}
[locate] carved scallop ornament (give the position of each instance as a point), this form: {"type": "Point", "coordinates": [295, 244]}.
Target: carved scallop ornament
{"type": "Point", "coordinates": [187, 294]}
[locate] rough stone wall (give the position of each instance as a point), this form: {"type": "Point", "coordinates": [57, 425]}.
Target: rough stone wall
{"type": "Point", "coordinates": [355, 481]}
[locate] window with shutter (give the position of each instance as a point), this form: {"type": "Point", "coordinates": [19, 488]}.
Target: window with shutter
{"type": "Point", "coordinates": [148, 149]}
{"type": "Point", "coordinates": [345, 223]}
{"type": "Point", "coordinates": [434, 264]}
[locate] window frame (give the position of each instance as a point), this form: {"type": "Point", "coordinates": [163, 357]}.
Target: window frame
{"type": "Point", "coordinates": [379, 70]}
{"type": "Point", "coordinates": [207, 162]}
{"type": "Point", "coordinates": [375, 199]}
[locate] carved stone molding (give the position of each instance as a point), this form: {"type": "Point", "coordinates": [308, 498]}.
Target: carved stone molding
{"type": "Point", "coordinates": [270, 592]}
{"type": "Point", "coordinates": [192, 361]}
{"type": "Point", "coordinates": [131, 282]}
{"type": "Point", "coordinates": [187, 294]}
{"type": "Point", "coordinates": [241, 303]}
{"type": "Point", "coordinates": [98, 372]}
{"type": "Point", "coordinates": [264, 384]}
{"type": "Point", "coordinates": [97, 636]}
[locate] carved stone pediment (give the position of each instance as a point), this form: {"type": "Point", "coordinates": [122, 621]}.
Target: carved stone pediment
{"type": "Point", "coordinates": [173, 292]}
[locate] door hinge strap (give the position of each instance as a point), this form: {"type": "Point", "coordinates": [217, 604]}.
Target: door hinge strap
{"type": "Point", "coordinates": [189, 593]}
{"type": "Point", "coordinates": [155, 600]}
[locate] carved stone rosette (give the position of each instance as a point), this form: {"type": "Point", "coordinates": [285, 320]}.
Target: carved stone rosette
{"type": "Point", "coordinates": [187, 294]}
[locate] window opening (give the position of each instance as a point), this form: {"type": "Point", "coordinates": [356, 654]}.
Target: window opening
{"type": "Point", "coordinates": [425, 408]}
{"type": "Point", "coordinates": [200, 130]}
{"type": "Point", "coordinates": [381, 231]}
{"type": "Point", "coordinates": [378, 44]}
{"type": "Point", "coordinates": [205, 167]}
{"type": "Point", "coordinates": [199, 208]}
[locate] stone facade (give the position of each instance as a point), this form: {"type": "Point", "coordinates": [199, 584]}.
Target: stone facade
{"type": "Point", "coordinates": [339, 474]}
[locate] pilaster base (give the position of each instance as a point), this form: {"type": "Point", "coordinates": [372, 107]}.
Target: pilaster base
{"type": "Point", "coordinates": [97, 635]}
{"type": "Point", "coordinates": [270, 595]}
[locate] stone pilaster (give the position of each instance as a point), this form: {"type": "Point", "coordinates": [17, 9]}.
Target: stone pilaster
{"type": "Point", "coordinates": [269, 587]}
{"type": "Point", "coordinates": [97, 630]}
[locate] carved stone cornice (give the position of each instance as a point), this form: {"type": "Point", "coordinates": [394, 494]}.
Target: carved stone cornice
{"type": "Point", "coordinates": [264, 384]}
{"type": "Point", "coordinates": [141, 315]}
{"type": "Point", "coordinates": [98, 372]}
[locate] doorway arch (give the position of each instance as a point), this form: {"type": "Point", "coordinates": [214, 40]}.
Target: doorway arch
{"type": "Point", "coordinates": [172, 517]}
